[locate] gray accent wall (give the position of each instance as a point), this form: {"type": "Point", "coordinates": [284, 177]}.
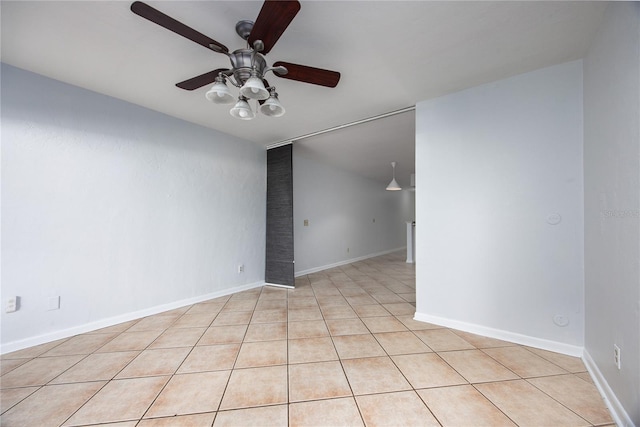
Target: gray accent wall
{"type": "Point", "coordinates": [279, 246]}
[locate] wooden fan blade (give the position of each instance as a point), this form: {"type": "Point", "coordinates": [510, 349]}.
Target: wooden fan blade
{"type": "Point", "coordinates": [303, 73]}
{"type": "Point", "coordinates": [155, 16]}
{"type": "Point", "coordinates": [201, 80]}
{"type": "Point", "coordinates": [274, 17]}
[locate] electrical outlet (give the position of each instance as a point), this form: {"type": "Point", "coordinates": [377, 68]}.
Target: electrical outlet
{"type": "Point", "coordinates": [240, 268]}
{"type": "Point", "coordinates": [306, 222]}
{"type": "Point", "coordinates": [616, 356]}
{"type": "Point", "coordinates": [12, 304]}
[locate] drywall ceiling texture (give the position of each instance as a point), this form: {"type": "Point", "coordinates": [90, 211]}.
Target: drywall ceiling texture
{"type": "Point", "coordinates": [612, 207]}
{"type": "Point", "coordinates": [118, 209]}
{"type": "Point", "coordinates": [499, 209]}
{"type": "Point", "coordinates": [391, 54]}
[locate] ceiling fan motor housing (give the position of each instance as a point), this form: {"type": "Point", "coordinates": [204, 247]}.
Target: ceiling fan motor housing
{"type": "Point", "coordinates": [244, 61]}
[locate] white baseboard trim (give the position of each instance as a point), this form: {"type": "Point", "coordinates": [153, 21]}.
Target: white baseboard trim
{"type": "Point", "coordinates": [347, 261]}
{"type": "Point", "coordinates": [277, 285]}
{"type": "Point", "coordinates": [111, 321]}
{"type": "Point", "coordinates": [555, 346]}
{"type": "Point", "coordinates": [620, 416]}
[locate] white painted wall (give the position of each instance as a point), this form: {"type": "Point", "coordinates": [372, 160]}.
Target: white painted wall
{"type": "Point", "coordinates": [612, 207]}
{"type": "Point", "coordinates": [341, 208]}
{"type": "Point", "coordinates": [117, 209]}
{"type": "Point", "coordinates": [492, 164]}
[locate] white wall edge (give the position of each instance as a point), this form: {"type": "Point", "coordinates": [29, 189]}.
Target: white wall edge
{"type": "Point", "coordinates": [620, 416]}
{"type": "Point", "coordinates": [555, 346]}
{"type": "Point", "coordinates": [348, 261]}
{"type": "Point", "coordinates": [111, 321]}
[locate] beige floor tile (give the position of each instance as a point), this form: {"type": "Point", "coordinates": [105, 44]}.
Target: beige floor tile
{"type": "Point", "coordinates": [271, 304]}
{"type": "Point", "coordinates": [119, 400]}
{"type": "Point", "coordinates": [266, 332]}
{"type": "Point", "coordinates": [326, 290]}
{"type": "Point", "coordinates": [523, 362]}
{"type": "Point", "coordinates": [303, 302]}
{"type": "Point", "coordinates": [178, 337]}
{"type": "Point", "coordinates": [352, 290]}
{"type": "Point", "coordinates": [346, 327]}
{"type": "Point", "coordinates": [311, 350]}
{"type": "Point", "coordinates": [155, 322]}
{"type": "Point", "coordinates": [7, 365]}
{"type": "Point", "coordinates": [400, 308]}
{"type": "Point", "coordinates": [232, 318]}
{"type": "Point", "coordinates": [427, 370]}
{"type": "Point", "coordinates": [357, 346]}
{"type": "Point", "coordinates": [360, 300]}
{"type": "Point", "coordinates": [129, 341]}
{"type": "Point", "coordinates": [223, 335]}
{"type": "Point", "coordinates": [338, 312]}
{"type": "Point", "coordinates": [267, 416]}
{"type": "Point", "coordinates": [12, 396]}
{"type": "Point", "coordinates": [323, 413]}
{"type": "Point", "coordinates": [31, 352]}
{"type": "Point", "coordinates": [206, 307]}
{"type": "Point", "coordinates": [568, 363]}
{"type": "Point", "coordinates": [463, 406]}
{"type": "Point", "coordinates": [388, 298]}
{"type": "Point", "coordinates": [332, 301]}
{"type": "Point", "coordinates": [443, 340]}
{"type": "Point", "coordinates": [395, 409]}
{"type": "Point", "coordinates": [50, 405]}
{"type": "Point", "coordinates": [300, 314]}
{"type": "Point", "coordinates": [190, 394]}
{"type": "Point", "coordinates": [372, 310]}
{"type": "Point", "coordinates": [38, 371]}
{"type": "Point", "coordinates": [256, 387]}
{"type": "Point", "coordinates": [578, 395]}
{"type": "Point", "coordinates": [80, 344]}
{"type": "Point", "coordinates": [271, 292]}
{"type": "Point", "coordinates": [401, 343]}
{"type": "Point", "coordinates": [585, 376]}
{"type": "Point", "coordinates": [410, 297]}
{"type": "Point", "coordinates": [274, 315]}
{"type": "Point", "coordinates": [416, 325]}
{"type": "Point", "coordinates": [313, 381]}
{"type": "Point", "coordinates": [264, 353]}
{"type": "Point", "coordinates": [120, 327]}
{"type": "Point", "coordinates": [195, 420]}
{"type": "Point", "coordinates": [96, 367]}
{"type": "Point", "coordinates": [384, 324]}
{"type": "Point", "coordinates": [308, 329]}
{"type": "Point", "coordinates": [163, 361]}
{"type": "Point", "coordinates": [479, 341]}
{"type": "Point", "coordinates": [210, 358]}
{"type": "Point", "coordinates": [240, 305]}
{"type": "Point", "coordinates": [374, 375]}
{"type": "Point", "coordinates": [200, 320]}
{"type": "Point", "coordinates": [477, 367]}
{"type": "Point", "coordinates": [528, 406]}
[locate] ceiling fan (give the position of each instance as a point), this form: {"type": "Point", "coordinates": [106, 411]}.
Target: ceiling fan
{"type": "Point", "coordinates": [248, 65]}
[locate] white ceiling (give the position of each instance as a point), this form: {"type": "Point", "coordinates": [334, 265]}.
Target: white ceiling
{"type": "Point", "coordinates": [391, 54]}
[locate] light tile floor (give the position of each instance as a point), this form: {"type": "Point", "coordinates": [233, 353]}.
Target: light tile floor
{"type": "Point", "coordinates": [340, 349]}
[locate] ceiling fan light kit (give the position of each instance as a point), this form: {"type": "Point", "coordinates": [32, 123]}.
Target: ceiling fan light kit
{"type": "Point", "coordinates": [248, 65]}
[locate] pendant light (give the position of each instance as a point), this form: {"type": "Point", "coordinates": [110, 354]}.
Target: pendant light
{"type": "Point", "coordinates": [393, 185]}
